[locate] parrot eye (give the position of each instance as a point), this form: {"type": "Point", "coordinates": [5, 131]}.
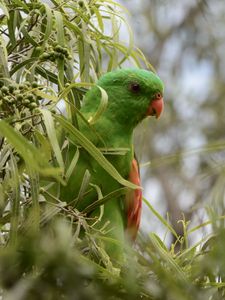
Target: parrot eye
{"type": "Point", "coordinates": [158, 96]}
{"type": "Point", "coordinates": [134, 87]}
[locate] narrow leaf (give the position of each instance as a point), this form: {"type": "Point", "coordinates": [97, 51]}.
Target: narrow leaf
{"type": "Point", "coordinates": [160, 218]}
{"type": "Point", "coordinates": [103, 200]}
{"type": "Point", "coordinates": [31, 155]}
{"type": "Point", "coordinates": [94, 152]}
{"type": "Point", "coordinates": [4, 72]}
{"type": "Point", "coordinates": [5, 10]}
{"type": "Point", "coordinates": [50, 127]}
{"type": "Point", "coordinates": [47, 74]}
{"type": "Point", "coordinates": [72, 164]}
{"type": "Point", "coordinates": [15, 200]}
{"type": "Point", "coordinates": [49, 22]}
{"type": "Point", "coordinates": [22, 64]}
{"type": "Point", "coordinates": [83, 187]}
{"type": "Point", "coordinates": [59, 28]}
{"type": "Point", "coordinates": [102, 106]}
{"type": "Point", "coordinates": [99, 18]}
{"type": "Point", "coordinates": [167, 258]}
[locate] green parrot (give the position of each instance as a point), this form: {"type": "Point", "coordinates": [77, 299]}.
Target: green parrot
{"type": "Point", "coordinates": [133, 94]}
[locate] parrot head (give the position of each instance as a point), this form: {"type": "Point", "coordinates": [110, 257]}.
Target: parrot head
{"type": "Point", "coordinates": [133, 94]}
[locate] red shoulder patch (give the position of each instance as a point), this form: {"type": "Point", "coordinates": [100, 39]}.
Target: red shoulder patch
{"type": "Point", "coordinates": [134, 202]}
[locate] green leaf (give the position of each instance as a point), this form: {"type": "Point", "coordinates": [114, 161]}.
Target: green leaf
{"type": "Point", "coordinates": [99, 18]}
{"type": "Point", "coordinates": [46, 96]}
{"type": "Point", "coordinates": [31, 155]}
{"type": "Point", "coordinates": [59, 28]}
{"type": "Point", "coordinates": [50, 128]}
{"type": "Point", "coordinates": [26, 34]}
{"type": "Point", "coordinates": [47, 74]}
{"type": "Point", "coordinates": [51, 211]}
{"type": "Point", "coordinates": [22, 64]}
{"type": "Point", "coordinates": [74, 27]}
{"type": "Point", "coordinates": [83, 187]}
{"type": "Point", "coordinates": [74, 85]}
{"type": "Point", "coordinates": [34, 189]}
{"type": "Point", "coordinates": [84, 54]}
{"type": "Point", "coordinates": [5, 10]}
{"type": "Point", "coordinates": [164, 222]}
{"type": "Point", "coordinates": [15, 199]}
{"type": "Point", "coordinates": [61, 41]}
{"type": "Point", "coordinates": [44, 143]}
{"type": "Point", "coordinates": [72, 164]}
{"type": "Point", "coordinates": [113, 195]}
{"type": "Point", "coordinates": [4, 71]}
{"type": "Point", "coordinates": [94, 152]}
{"type": "Point", "coordinates": [49, 22]}
{"type": "Point", "coordinates": [114, 151]}
{"type": "Point", "coordinates": [22, 4]}
{"type": "Point", "coordinates": [102, 106]}
{"type": "Point", "coordinates": [176, 269]}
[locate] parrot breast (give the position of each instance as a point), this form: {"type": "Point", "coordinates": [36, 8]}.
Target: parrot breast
{"type": "Point", "coordinates": [134, 202]}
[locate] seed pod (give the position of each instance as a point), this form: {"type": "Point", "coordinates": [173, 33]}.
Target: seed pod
{"type": "Point", "coordinates": [36, 110]}
{"type": "Point", "coordinates": [44, 56]}
{"type": "Point", "coordinates": [65, 51]}
{"type": "Point", "coordinates": [58, 48]}
{"type": "Point", "coordinates": [12, 87]}
{"type": "Point", "coordinates": [5, 90]}
{"type": "Point", "coordinates": [38, 49]}
{"type": "Point", "coordinates": [11, 100]}
{"type": "Point", "coordinates": [32, 105]}
{"type": "Point", "coordinates": [27, 83]}
{"type": "Point", "coordinates": [61, 56]}
{"type": "Point", "coordinates": [34, 84]}
{"type": "Point", "coordinates": [36, 11]}
{"type": "Point", "coordinates": [30, 97]}
{"type": "Point", "coordinates": [39, 98]}
{"type": "Point", "coordinates": [26, 102]}
{"type": "Point", "coordinates": [16, 92]}
{"type": "Point", "coordinates": [19, 97]}
{"type": "Point", "coordinates": [57, 55]}
{"type": "Point", "coordinates": [52, 57]}
{"type": "Point", "coordinates": [6, 99]}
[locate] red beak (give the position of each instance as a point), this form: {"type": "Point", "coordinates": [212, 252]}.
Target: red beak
{"type": "Point", "coordinates": [156, 107]}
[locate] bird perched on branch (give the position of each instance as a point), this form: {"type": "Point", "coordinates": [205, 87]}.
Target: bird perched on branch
{"type": "Point", "coordinates": [113, 108]}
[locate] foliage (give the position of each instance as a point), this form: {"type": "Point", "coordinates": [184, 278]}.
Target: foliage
{"type": "Point", "coordinates": [49, 55]}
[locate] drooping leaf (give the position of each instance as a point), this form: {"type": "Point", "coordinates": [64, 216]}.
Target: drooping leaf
{"type": "Point", "coordinates": [31, 155]}
{"type": "Point", "coordinates": [94, 152]}
{"type": "Point", "coordinates": [51, 131]}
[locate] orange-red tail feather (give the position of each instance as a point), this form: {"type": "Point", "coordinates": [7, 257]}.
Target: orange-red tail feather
{"type": "Point", "coordinates": [134, 202]}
